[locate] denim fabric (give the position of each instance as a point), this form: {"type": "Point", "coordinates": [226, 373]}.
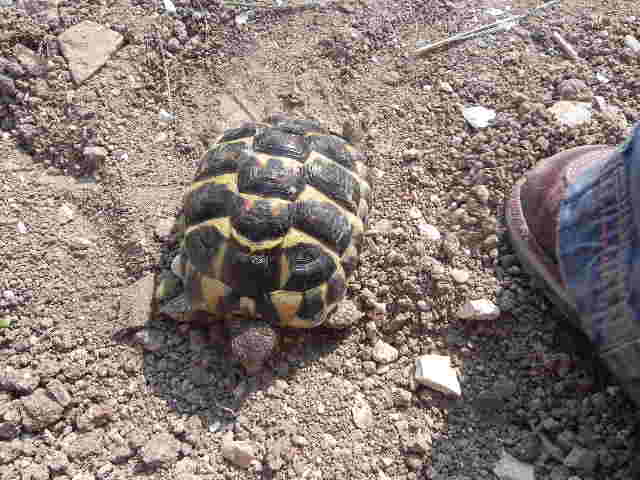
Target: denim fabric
{"type": "Point", "coordinates": [599, 256]}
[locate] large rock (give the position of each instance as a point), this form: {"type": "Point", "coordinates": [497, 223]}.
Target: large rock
{"type": "Point", "coordinates": [87, 46]}
{"type": "Point", "coordinates": [19, 381]}
{"type": "Point", "coordinates": [59, 392]}
{"type": "Point", "coordinates": [384, 353]}
{"type": "Point", "coordinates": [241, 453]}
{"type": "Point", "coordinates": [481, 309]}
{"type": "Point", "coordinates": [79, 447]}
{"type": "Point", "coordinates": [161, 449]}
{"type": "Point", "coordinates": [571, 114]}
{"type": "Point", "coordinates": [510, 468]}
{"type": "Point", "coordinates": [362, 414]}
{"type": "Point", "coordinates": [34, 64]}
{"type": "Point", "coordinates": [40, 411]}
{"type": "Point", "coordinates": [435, 371]}
{"type": "Point", "coordinates": [582, 459]}
{"type": "Point", "coordinates": [136, 302]}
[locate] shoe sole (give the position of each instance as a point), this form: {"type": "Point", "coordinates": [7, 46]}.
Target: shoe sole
{"type": "Point", "coordinates": [534, 262]}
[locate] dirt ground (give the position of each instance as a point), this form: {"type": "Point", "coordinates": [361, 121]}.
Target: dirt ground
{"type": "Point", "coordinates": [92, 388]}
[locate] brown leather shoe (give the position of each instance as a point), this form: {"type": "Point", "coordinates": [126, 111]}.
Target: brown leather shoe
{"type": "Point", "coordinates": [532, 218]}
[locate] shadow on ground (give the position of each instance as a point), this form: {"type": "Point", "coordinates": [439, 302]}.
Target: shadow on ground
{"type": "Point", "coordinates": [189, 365]}
{"type": "Point", "coordinates": [527, 393]}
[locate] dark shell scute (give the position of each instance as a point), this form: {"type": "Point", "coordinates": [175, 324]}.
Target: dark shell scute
{"type": "Point", "coordinates": [211, 200]}
{"type": "Point", "coordinates": [299, 126]}
{"type": "Point", "coordinates": [259, 220]}
{"type": "Point", "coordinates": [335, 182]}
{"type": "Point", "coordinates": [202, 245]}
{"type": "Point", "coordinates": [275, 141]}
{"type": "Point", "coordinates": [324, 221]}
{"type": "Point", "coordinates": [223, 159]}
{"type": "Point", "coordinates": [309, 266]}
{"type": "Point", "coordinates": [334, 148]}
{"type": "Point", "coordinates": [274, 180]}
{"type": "Point", "coordinates": [250, 274]}
{"type": "Point", "coordinates": [312, 304]}
{"type": "Point", "coordinates": [247, 130]}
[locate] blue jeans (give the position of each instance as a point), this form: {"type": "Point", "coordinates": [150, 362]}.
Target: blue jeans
{"type": "Point", "coordinates": [599, 257]}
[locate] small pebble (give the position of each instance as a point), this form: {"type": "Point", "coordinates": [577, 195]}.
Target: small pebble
{"type": "Point", "coordinates": [429, 232]}
{"type": "Point", "coordinates": [633, 43]}
{"type": "Point", "coordinates": [482, 193]}
{"type": "Point", "coordinates": [384, 353]}
{"type": "Point", "coordinates": [362, 414]}
{"type": "Point", "coordinates": [482, 309]}
{"type": "Point", "coordinates": [459, 275]}
{"type": "Point", "coordinates": [65, 214]}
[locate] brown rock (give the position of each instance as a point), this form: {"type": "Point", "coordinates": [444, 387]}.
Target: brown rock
{"type": "Point", "coordinates": [136, 302]}
{"type": "Point", "coordinates": [19, 381]}
{"type": "Point", "coordinates": [161, 449]}
{"type": "Point", "coordinates": [87, 46]}
{"type": "Point", "coordinates": [40, 411]}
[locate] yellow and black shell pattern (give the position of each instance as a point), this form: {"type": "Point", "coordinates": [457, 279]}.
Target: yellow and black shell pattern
{"type": "Point", "coordinates": [273, 223]}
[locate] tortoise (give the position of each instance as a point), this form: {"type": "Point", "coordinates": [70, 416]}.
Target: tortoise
{"type": "Point", "coordinates": [270, 231]}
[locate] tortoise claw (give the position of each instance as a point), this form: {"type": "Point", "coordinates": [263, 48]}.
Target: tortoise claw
{"type": "Point", "coordinates": [177, 308]}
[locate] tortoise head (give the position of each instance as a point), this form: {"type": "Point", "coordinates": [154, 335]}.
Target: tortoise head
{"type": "Point", "coordinates": [252, 341]}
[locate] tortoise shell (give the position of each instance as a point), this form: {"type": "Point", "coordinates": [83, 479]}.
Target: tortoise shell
{"type": "Point", "coordinates": [273, 223]}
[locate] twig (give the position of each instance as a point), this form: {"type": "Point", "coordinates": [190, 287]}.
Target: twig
{"type": "Point", "coordinates": [273, 6]}
{"type": "Point", "coordinates": [206, 24]}
{"type": "Point", "coordinates": [228, 410]}
{"type": "Point", "coordinates": [565, 46]}
{"type": "Point", "coordinates": [242, 4]}
{"type": "Point", "coordinates": [241, 104]}
{"type": "Point", "coordinates": [166, 70]}
{"type": "Point", "coordinates": [485, 29]}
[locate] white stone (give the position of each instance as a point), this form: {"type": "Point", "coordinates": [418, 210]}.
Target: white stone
{"type": "Point", "coordinates": [459, 275]}
{"type": "Point", "coordinates": [478, 117]}
{"type": "Point", "coordinates": [631, 42]}
{"type": "Point", "coordinates": [446, 87]}
{"type": "Point", "coordinates": [166, 116]}
{"type": "Point", "coordinates": [495, 12]}
{"type": "Point", "coordinates": [482, 193]}
{"type": "Point", "coordinates": [571, 114]}
{"type": "Point", "coordinates": [362, 414]}
{"type": "Point", "coordinates": [241, 453]}
{"type": "Point", "coordinates": [65, 213]}
{"type": "Point", "coordinates": [22, 228]}
{"type": "Point", "coordinates": [382, 226]}
{"type": "Point", "coordinates": [415, 213]}
{"type": "Point", "coordinates": [169, 6]}
{"type": "Point", "coordinates": [482, 309]}
{"type": "Point", "coordinates": [510, 468]}
{"type": "Point", "coordinates": [81, 243]}
{"type": "Point", "coordinates": [435, 371]}
{"type": "Point", "coordinates": [429, 232]}
{"type": "Point", "coordinates": [384, 353]}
